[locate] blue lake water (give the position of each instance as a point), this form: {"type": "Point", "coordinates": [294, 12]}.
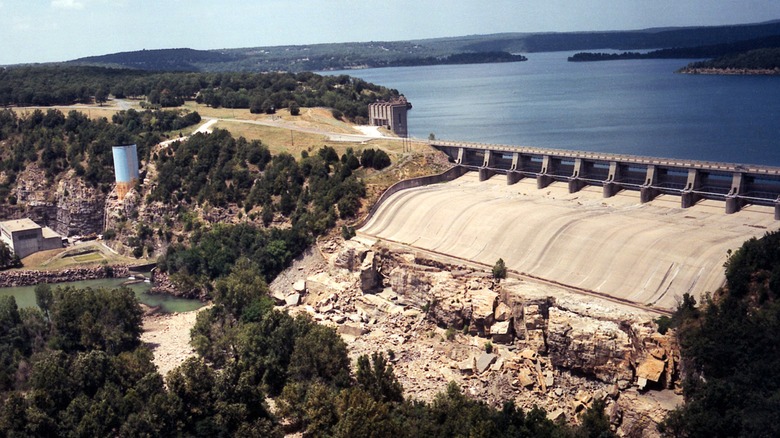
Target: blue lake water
{"type": "Point", "coordinates": [630, 107]}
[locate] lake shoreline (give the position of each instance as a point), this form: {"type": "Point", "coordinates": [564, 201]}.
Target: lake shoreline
{"type": "Point", "coordinates": [731, 71]}
{"type": "Point", "coordinates": [21, 278]}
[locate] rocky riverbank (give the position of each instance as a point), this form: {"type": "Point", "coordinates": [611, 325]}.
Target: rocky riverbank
{"type": "Point", "coordinates": [164, 285]}
{"type": "Point", "coordinates": [31, 278]}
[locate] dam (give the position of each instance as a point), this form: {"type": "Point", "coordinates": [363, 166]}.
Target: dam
{"type": "Point", "coordinates": [577, 220]}
{"type": "Point", "coordinates": [735, 184]}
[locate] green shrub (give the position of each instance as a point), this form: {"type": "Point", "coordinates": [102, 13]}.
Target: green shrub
{"type": "Point", "coordinates": [450, 334]}
{"type": "Point", "coordinates": [499, 269]}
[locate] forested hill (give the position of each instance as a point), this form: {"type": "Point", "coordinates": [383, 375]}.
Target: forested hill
{"type": "Point", "coordinates": [709, 51]}
{"type": "Point", "coordinates": [160, 60]}
{"type": "Point", "coordinates": [759, 61]}
{"type": "Point", "coordinates": [466, 49]}
{"type": "Point", "coordinates": [260, 92]}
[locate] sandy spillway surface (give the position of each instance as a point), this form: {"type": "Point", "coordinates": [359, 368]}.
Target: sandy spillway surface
{"type": "Point", "coordinates": [646, 253]}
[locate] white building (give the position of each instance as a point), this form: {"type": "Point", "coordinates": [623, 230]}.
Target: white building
{"type": "Point", "coordinates": [25, 237]}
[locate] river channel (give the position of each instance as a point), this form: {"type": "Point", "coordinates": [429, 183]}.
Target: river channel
{"type": "Point", "coordinates": [25, 295]}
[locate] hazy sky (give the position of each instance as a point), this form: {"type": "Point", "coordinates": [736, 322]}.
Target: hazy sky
{"type": "Point", "coordinates": [60, 30]}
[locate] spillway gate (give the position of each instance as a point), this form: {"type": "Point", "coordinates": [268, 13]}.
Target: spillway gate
{"type": "Point", "coordinates": [736, 184]}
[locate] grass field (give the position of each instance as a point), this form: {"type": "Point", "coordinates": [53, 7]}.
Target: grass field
{"type": "Point", "coordinates": [81, 254]}
{"type": "Point", "coordinates": [87, 258]}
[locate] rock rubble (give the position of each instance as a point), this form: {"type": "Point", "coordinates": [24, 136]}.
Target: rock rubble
{"type": "Point", "coordinates": [513, 340]}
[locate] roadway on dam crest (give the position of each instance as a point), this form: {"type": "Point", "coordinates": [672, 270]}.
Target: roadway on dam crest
{"type": "Point", "coordinates": [649, 254]}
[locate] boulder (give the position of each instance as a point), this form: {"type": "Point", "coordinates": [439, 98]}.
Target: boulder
{"type": "Point", "coordinates": [502, 313]}
{"type": "Point", "coordinates": [483, 302]}
{"type": "Point", "coordinates": [649, 370]}
{"type": "Point", "coordinates": [588, 345]}
{"type": "Point", "coordinates": [528, 354]}
{"type": "Point", "coordinates": [484, 362]}
{"type": "Point", "coordinates": [501, 332]}
{"type": "Point", "coordinates": [300, 286]}
{"type": "Point", "coordinates": [533, 317]}
{"type": "Point", "coordinates": [351, 330]}
{"type": "Point", "coordinates": [368, 273]}
{"type": "Point", "coordinates": [525, 377]}
{"type": "Point", "coordinates": [556, 415]}
{"type": "Point", "coordinates": [351, 256]}
{"type": "Point", "coordinates": [534, 339]}
{"type": "Point", "coordinates": [345, 259]}
{"type": "Point", "coordinates": [467, 366]}
{"type": "Point", "coordinates": [292, 299]}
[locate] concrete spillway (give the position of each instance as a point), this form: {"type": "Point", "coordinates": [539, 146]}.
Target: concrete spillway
{"type": "Point", "coordinates": [648, 253]}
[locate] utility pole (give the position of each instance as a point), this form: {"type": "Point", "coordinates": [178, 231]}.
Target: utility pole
{"type": "Point", "coordinates": [292, 140]}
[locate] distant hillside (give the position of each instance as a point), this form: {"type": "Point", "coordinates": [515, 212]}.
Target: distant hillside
{"type": "Point", "coordinates": [710, 51]}
{"type": "Point", "coordinates": [466, 49]}
{"type": "Point", "coordinates": [759, 61]}
{"type": "Point", "coordinates": [159, 60]}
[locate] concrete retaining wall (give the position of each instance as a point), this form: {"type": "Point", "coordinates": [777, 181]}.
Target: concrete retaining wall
{"type": "Point", "coordinates": [448, 175]}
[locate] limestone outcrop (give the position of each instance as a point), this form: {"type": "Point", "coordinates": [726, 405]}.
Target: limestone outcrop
{"type": "Point", "coordinates": [514, 340]}
{"type": "Point", "coordinates": [588, 345]}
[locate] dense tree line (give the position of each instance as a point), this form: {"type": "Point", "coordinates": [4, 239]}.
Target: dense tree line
{"type": "Point", "coordinates": [456, 58]}
{"type": "Point", "coordinates": [74, 367]}
{"type": "Point", "coordinates": [727, 51]}
{"type": "Point", "coordinates": [218, 170]}
{"type": "Point", "coordinates": [759, 59]}
{"type": "Point", "coordinates": [731, 350]}
{"type": "Point", "coordinates": [261, 92]}
{"type": "Point", "coordinates": [57, 142]}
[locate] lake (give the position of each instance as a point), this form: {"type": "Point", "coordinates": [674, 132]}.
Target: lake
{"type": "Point", "coordinates": [25, 295]}
{"type": "Point", "coordinates": [628, 106]}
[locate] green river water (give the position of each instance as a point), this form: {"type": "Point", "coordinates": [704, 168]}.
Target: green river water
{"type": "Point", "coordinates": [25, 295]}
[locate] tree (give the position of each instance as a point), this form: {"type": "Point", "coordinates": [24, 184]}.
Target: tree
{"type": "Point", "coordinates": [294, 109]}
{"type": "Point", "coordinates": [381, 160]}
{"type": "Point", "coordinates": [44, 298]}
{"type": "Point", "coordinates": [594, 423]}
{"type": "Point", "coordinates": [320, 355]}
{"type": "Point", "coordinates": [7, 257]}
{"type": "Point", "coordinates": [101, 95]}
{"type": "Point", "coordinates": [499, 269]}
{"type": "Point", "coordinates": [240, 288]}
{"type": "Point", "coordinates": [376, 377]}
{"type": "Point", "coordinates": [367, 158]}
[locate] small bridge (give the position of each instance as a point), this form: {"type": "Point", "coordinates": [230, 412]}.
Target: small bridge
{"type": "Point", "coordinates": [736, 184]}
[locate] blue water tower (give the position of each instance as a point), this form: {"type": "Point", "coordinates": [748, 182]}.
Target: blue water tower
{"type": "Point", "coordinates": [125, 168]}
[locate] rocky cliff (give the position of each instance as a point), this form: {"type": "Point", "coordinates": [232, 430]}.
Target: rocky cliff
{"type": "Point", "coordinates": [69, 206]}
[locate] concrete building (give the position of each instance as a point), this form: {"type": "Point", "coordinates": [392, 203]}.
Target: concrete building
{"type": "Point", "coordinates": [390, 114]}
{"type": "Point", "coordinates": [25, 237]}
{"type": "Point", "coordinates": [125, 168]}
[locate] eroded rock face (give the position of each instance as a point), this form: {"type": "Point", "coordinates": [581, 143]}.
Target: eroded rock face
{"type": "Point", "coordinates": [549, 349]}
{"type": "Point", "coordinates": [589, 345]}
{"type": "Point", "coordinates": [69, 207]}
{"type": "Point", "coordinates": [79, 208]}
